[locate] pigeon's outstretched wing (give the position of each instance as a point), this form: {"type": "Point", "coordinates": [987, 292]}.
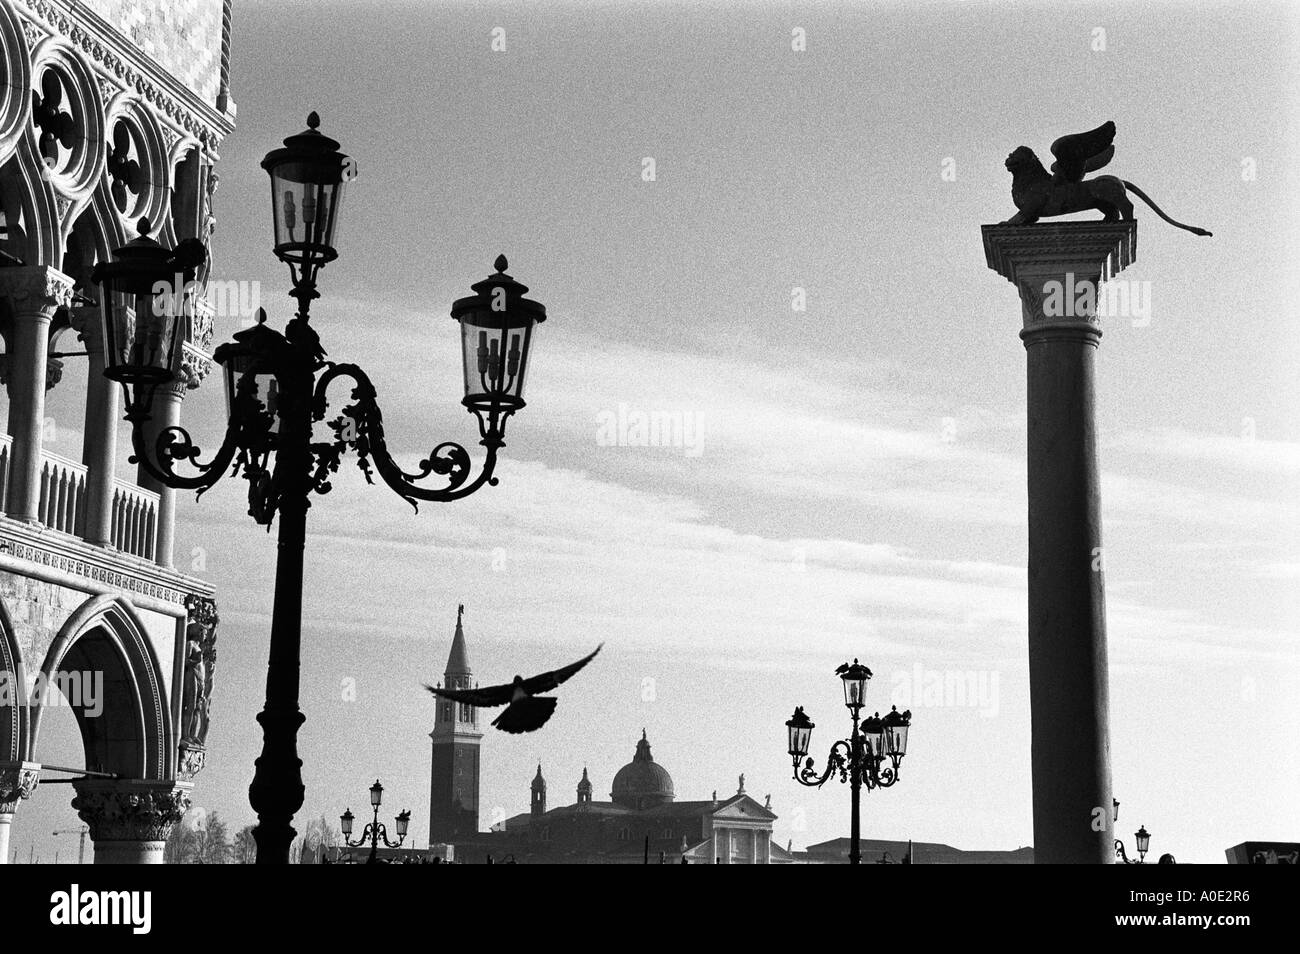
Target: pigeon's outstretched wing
{"type": "Point", "coordinates": [549, 680]}
{"type": "Point", "coordinates": [1081, 153]}
{"type": "Point", "coordinates": [484, 698]}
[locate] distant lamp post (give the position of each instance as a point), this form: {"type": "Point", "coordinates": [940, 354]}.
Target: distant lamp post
{"type": "Point", "coordinates": [1141, 840]}
{"type": "Point", "coordinates": [276, 393]}
{"type": "Point", "coordinates": [374, 832]}
{"type": "Point", "coordinates": [858, 760]}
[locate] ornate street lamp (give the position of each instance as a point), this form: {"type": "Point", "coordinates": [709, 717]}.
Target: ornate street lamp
{"type": "Point", "coordinates": [859, 759]}
{"type": "Point", "coordinates": [143, 314]}
{"type": "Point", "coordinates": [276, 389]}
{"type": "Point", "coordinates": [374, 831]}
{"type": "Point", "coordinates": [1142, 840]}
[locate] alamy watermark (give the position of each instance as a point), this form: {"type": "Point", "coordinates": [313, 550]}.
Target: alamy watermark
{"type": "Point", "coordinates": [1117, 298]}
{"type": "Point", "coordinates": [949, 688]}
{"type": "Point", "coordinates": [228, 299]}
{"type": "Point", "coordinates": [81, 690]}
{"type": "Point", "coordinates": [629, 426]}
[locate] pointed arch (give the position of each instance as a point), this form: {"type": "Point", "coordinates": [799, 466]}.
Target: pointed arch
{"type": "Point", "coordinates": [14, 712]}
{"type": "Point", "coordinates": [15, 80]}
{"type": "Point", "coordinates": [134, 738]}
{"type": "Point", "coordinates": [31, 214]}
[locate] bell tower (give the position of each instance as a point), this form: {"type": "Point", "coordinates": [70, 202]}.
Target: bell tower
{"type": "Point", "coordinates": [538, 804]}
{"type": "Point", "coordinates": [453, 799]}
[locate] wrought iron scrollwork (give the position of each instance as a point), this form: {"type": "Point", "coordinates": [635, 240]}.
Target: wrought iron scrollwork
{"type": "Point", "coordinates": [836, 762]}
{"type": "Point", "coordinates": [360, 425]}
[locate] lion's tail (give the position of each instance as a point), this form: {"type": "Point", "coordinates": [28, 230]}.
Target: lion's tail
{"type": "Point", "coordinates": [1147, 199]}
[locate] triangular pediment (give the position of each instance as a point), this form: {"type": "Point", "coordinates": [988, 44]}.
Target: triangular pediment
{"type": "Point", "coordinates": [742, 807]}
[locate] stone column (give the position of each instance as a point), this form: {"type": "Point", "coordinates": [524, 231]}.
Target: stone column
{"type": "Point", "coordinates": [35, 294]}
{"type": "Point", "coordinates": [1057, 269]}
{"type": "Point", "coordinates": [99, 446]}
{"type": "Point", "coordinates": [17, 781]}
{"type": "Point", "coordinates": [130, 820]}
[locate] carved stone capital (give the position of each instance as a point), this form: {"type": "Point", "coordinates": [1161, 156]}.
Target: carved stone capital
{"type": "Point", "coordinates": [1058, 268]}
{"type": "Point", "coordinates": [133, 810]}
{"type": "Point", "coordinates": [17, 781]}
{"type": "Point", "coordinates": [202, 323]}
{"type": "Point", "coordinates": [195, 366]}
{"type": "Point", "coordinates": [35, 290]}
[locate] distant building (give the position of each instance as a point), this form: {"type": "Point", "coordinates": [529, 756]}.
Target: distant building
{"type": "Point", "coordinates": [642, 820]}
{"type": "Point", "coordinates": [1264, 853]}
{"type": "Point", "coordinates": [836, 852]}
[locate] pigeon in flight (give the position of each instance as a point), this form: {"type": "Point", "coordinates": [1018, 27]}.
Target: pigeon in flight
{"type": "Point", "coordinates": [526, 710]}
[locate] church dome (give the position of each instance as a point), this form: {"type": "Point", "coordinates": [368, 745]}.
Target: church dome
{"type": "Point", "coordinates": [643, 782]}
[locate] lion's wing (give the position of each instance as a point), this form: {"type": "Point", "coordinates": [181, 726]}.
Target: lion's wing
{"type": "Point", "coordinates": [1080, 153]}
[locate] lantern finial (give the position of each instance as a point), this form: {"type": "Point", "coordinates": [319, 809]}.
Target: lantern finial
{"type": "Point", "coordinates": [144, 226]}
{"type": "Point", "coordinates": [313, 120]}
{"type": "Point", "coordinates": [501, 264]}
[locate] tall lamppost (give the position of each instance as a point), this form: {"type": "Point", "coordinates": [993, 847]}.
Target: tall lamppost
{"type": "Point", "coordinates": [375, 830]}
{"type": "Point", "coordinates": [276, 390]}
{"type": "Point", "coordinates": [858, 759]}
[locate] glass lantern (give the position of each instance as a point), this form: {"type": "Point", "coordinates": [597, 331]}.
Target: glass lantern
{"type": "Point", "coordinates": [497, 325]}
{"type": "Point", "coordinates": [249, 364]}
{"type": "Point", "coordinates": [143, 314]}
{"type": "Point", "coordinates": [800, 729]}
{"type": "Point", "coordinates": [307, 177]}
{"type": "Point", "coordinates": [855, 683]}
{"type": "Point", "coordinates": [896, 725]}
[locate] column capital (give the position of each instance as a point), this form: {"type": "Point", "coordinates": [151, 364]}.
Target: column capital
{"type": "Point", "coordinates": [1057, 268]}
{"type": "Point", "coordinates": [130, 810]}
{"type": "Point", "coordinates": [36, 289]}
{"type": "Point", "coordinates": [17, 781]}
{"type": "Point", "coordinates": [195, 366]}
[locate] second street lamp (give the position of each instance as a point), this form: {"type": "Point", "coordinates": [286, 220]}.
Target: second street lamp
{"type": "Point", "coordinates": [1141, 840]}
{"type": "Point", "coordinates": [277, 386]}
{"type": "Point", "coordinates": [859, 759]}
{"type": "Point", "coordinates": [374, 831]}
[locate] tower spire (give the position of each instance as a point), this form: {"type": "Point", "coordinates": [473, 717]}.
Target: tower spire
{"type": "Point", "coordinates": [454, 788]}
{"type": "Point", "coordinates": [539, 792]}
{"type": "Point", "coordinates": [458, 659]}
{"type": "Point", "coordinates": [584, 788]}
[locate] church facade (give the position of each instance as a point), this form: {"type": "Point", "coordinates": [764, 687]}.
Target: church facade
{"type": "Point", "coordinates": [111, 111]}
{"type": "Point", "coordinates": [642, 821]}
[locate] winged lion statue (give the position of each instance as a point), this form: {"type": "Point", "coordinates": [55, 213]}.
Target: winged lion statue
{"type": "Point", "coordinates": [1039, 194]}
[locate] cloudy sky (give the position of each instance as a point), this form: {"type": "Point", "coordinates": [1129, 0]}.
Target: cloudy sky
{"type": "Point", "coordinates": [850, 479]}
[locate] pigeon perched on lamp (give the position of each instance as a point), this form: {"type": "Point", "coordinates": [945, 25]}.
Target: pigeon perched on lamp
{"type": "Point", "coordinates": [525, 709]}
